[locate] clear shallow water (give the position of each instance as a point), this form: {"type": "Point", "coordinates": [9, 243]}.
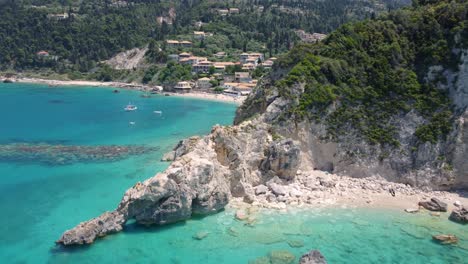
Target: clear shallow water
{"type": "Point", "coordinates": [39, 202]}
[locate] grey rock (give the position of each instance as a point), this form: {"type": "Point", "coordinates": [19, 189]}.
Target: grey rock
{"type": "Point", "coordinates": [282, 159]}
{"type": "Point", "coordinates": [459, 215]}
{"type": "Point", "coordinates": [434, 205]}
{"type": "Point", "coordinates": [278, 189]}
{"type": "Point", "coordinates": [313, 257]}
{"type": "Point", "coordinates": [87, 232]}
{"type": "Point", "coordinates": [261, 189]}
{"type": "Point", "coordinates": [328, 183]}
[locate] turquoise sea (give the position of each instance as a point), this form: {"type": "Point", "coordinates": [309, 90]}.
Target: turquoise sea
{"type": "Point", "coordinates": [42, 193]}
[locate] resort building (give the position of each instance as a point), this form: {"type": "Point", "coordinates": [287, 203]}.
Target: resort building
{"type": "Point", "coordinates": [43, 53]}
{"type": "Point", "coordinates": [233, 10]}
{"type": "Point", "coordinates": [310, 38]}
{"type": "Point", "coordinates": [248, 66]}
{"type": "Point", "coordinates": [220, 55]}
{"type": "Point", "coordinates": [238, 88]}
{"type": "Point", "coordinates": [267, 64]}
{"type": "Point", "coordinates": [251, 56]}
{"type": "Point", "coordinates": [185, 55]}
{"type": "Point", "coordinates": [192, 60]}
{"type": "Point", "coordinates": [202, 66]}
{"type": "Point", "coordinates": [185, 44]}
{"type": "Point", "coordinates": [204, 83]}
{"type": "Point", "coordinates": [223, 12]}
{"type": "Point", "coordinates": [242, 77]}
{"type": "Point", "coordinates": [176, 44]}
{"type": "Point", "coordinates": [199, 34]}
{"type": "Point", "coordinates": [183, 87]}
{"type": "Point", "coordinates": [172, 43]}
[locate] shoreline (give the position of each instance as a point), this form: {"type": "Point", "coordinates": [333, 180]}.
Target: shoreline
{"type": "Point", "coordinates": [330, 191]}
{"type": "Point", "coordinates": [129, 86]}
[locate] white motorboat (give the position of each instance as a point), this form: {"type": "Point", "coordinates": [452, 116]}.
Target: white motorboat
{"type": "Point", "coordinates": [130, 107]}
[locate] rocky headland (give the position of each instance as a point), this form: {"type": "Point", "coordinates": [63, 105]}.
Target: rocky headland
{"type": "Point", "coordinates": [319, 132]}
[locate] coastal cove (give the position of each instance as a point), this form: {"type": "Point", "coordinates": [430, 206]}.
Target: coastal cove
{"type": "Point", "coordinates": [42, 198]}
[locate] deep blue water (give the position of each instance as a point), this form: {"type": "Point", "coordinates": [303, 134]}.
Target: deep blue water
{"type": "Point", "coordinates": [39, 201]}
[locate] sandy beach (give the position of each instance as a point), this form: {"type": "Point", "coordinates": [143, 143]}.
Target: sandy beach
{"type": "Point", "coordinates": [318, 189]}
{"type": "Point", "coordinates": [131, 86]}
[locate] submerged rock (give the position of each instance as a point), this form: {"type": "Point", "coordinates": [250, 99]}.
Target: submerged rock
{"type": "Point", "coordinates": [260, 260]}
{"type": "Point", "coordinates": [459, 215]}
{"type": "Point", "coordinates": [313, 257]}
{"type": "Point", "coordinates": [446, 239]}
{"type": "Point", "coordinates": [281, 257]}
{"type": "Point", "coordinates": [200, 235]}
{"type": "Point", "coordinates": [87, 232]}
{"type": "Point", "coordinates": [434, 205]}
{"type": "Point", "coordinates": [295, 243]}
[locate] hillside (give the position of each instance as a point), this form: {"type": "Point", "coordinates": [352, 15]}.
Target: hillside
{"type": "Point", "coordinates": [386, 96]}
{"type": "Point", "coordinates": [79, 35]}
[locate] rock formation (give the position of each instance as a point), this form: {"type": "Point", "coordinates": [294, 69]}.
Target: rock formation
{"type": "Point", "coordinates": [459, 215]}
{"type": "Point", "coordinates": [313, 257]}
{"type": "Point", "coordinates": [205, 174]}
{"type": "Point", "coordinates": [434, 205]}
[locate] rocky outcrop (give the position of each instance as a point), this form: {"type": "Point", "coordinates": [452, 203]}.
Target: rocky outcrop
{"type": "Point", "coordinates": [313, 257]}
{"type": "Point", "coordinates": [182, 148]}
{"type": "Point", "coordinates": [445, 239]}
{"type": "Point", "coordinates": [205, 174]}
{"type": "Point", "coordinates": [459, 215]}
{"type": "Point", "coordinates": [87, 232]}
{"type": "Point", "coordinates": [434, 205]}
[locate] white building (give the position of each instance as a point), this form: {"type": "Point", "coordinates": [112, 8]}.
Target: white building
{"type": "Point", "coordinates": [183, 87]}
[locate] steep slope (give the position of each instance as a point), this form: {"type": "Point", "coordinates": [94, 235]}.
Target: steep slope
{"type": "Point", "coordinates": [382, 97]}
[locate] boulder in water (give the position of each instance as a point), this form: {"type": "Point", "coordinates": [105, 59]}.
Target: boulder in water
{"type": "Point", "coordinates": [459, 215]}
{"type": "Point", "coordinates": [313, 257]}
{"type": "Point", "coordinates": [445, 239]}
{"type": "Point", "coordinates": [434, 205]}
{"type": "Point", "coordinates": [200, 235]}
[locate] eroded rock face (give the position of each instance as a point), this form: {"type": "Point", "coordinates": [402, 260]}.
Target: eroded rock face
{"type": "Point", "coordinates": [459, 215]}
{"type": "Point", "coordinates": [313, 257]}
{"type": "Point", "coordinates": [87, 232]}
{"type": "Point", "coordinates": [205, 174]}
{"type": "Point", "coordinates": [282, 158]}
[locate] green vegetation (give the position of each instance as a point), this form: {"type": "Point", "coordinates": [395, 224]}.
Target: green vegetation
{"type": "Point", "coordinates": [89, 31]}
{"type": "Point", "coordinates": [366, 74]}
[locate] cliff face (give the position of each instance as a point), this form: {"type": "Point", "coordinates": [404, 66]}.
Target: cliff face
{"type": "Point", "coordinates": [440, 165]}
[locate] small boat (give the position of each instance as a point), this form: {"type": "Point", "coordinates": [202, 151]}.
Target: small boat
{"type": "Point", "coordinates": [132, 123]}
{"type": "Point", "coordinates": [158, 112]}
{"type": "Point", "coordinates": [130, 107]}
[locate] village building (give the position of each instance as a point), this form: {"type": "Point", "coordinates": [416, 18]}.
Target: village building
{"type": "Point", "coordinates": [58, 16]}
{"type": "Point", "coordinates": [185, 44]}
{"type": "Point", "coordinates": [162, 19]}
{"type": "Point", "coordinates": [204, 83]}
{"type": "Point", "coordinates": [185, 55]}
{"type": "Point", "coordinates": [268, 64]}
{"type": "Point", "coordinates": [250, 56]}
{"type": "Point", "coordinates": [183, 87]}
{"type": "Point", "coordinates": [223, 12]}
{"type": "Point", "coordinates": [198, 24]}
{"type": "Point", "coordinates": [172, 43]}
{"type": "Point", "coordinates": [310, 38]}
{"type": "Point", "coordinates": [248, 66]}
{"type": "Point", "coordinates": [42, 53]}
{"type": "Point", "coordinates": [202, 66]}
{"type": "Point", "coordinates": [192, 60]}
{"type": "Point", "coordinates": [233, 10]}
{"type": "Point", "coordinates": [242, 77]}
{"type": "Point", "coordinates": [220, 54]}
{"type": "Point", "coordinates": [221, 66]}
{"type": "Point", "coordinates": [199, 34]}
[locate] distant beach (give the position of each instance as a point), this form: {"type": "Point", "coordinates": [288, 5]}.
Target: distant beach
{"type": "Point", "coordinates": [130, 86]}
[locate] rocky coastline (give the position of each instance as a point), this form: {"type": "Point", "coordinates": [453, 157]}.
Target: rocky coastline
{"type": "Point", "coordinates": [243, 166]}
